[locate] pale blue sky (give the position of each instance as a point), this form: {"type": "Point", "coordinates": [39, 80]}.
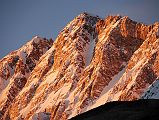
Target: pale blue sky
{"type": "Point", "coordinates": [20, 20]}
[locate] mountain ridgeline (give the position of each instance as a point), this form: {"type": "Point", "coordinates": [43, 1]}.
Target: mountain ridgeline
{"type": "Point", "coordinates": [92, 61]}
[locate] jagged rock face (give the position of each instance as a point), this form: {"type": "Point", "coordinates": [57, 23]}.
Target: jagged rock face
{"type": "Point", "coordinates": [16, 67]}
{"type": "Point", "coordinates": [141, 71]}
{"type": "Point", "coordinates": [90, 59]}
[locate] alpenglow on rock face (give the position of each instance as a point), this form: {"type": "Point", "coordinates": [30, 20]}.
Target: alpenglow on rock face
{"type": "Point", "coordinates": [91, 62]}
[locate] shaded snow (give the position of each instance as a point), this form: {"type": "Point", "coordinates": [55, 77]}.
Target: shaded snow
{"type": "Point", "coordinates": [22, 55]}
{"type": "Point", "coordinates": [152, 92]}
{"type": "Point", "coordinates": [36, 39]}
{"type": "Point", "coordinates": [89, 51]}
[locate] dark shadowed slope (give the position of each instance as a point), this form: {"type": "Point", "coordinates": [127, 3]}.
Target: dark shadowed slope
{"type": "Point", "coordinates": [124, 110]}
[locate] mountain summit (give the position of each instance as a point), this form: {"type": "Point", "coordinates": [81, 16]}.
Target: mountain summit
{"type": "Point", "coordinates": [91, 62]}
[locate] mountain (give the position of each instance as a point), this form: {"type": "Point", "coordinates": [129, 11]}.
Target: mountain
{"type": "Point", "coordinates": [16, 68]}
{"type": "Point", "coordinates": [91, 62]}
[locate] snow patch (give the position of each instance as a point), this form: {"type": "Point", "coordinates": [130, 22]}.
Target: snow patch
{"type": "Point", "coordinates": [36, 39]}
{"type": "Point", "coordinates": [22, 55]}
{"type": "Point", "coordinates": [54, 97]}
{"type": "Point", "coordinates": [51, 77]}
{"type": "Point", "coordinates": [152, 92]}
{"type": "Point", "coordinates": [89, 51]}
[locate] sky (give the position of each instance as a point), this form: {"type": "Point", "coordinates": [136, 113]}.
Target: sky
{"type": "Point", "coordinates": [20, 20]}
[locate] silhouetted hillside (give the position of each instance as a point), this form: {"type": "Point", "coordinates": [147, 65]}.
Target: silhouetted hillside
{"type": "Point", "coordinates": [123, 110]}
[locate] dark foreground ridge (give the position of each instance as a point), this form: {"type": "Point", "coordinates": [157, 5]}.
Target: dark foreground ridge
{"type": "Point", "coordinates": [124, 110]}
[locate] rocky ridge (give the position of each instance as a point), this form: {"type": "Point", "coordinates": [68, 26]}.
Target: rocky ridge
{"type": "Point", "coordinates": [16, 67]}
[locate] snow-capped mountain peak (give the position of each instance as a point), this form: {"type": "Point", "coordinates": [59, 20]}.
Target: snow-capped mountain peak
{"type": "Point", "coordinates": [91, 62]}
